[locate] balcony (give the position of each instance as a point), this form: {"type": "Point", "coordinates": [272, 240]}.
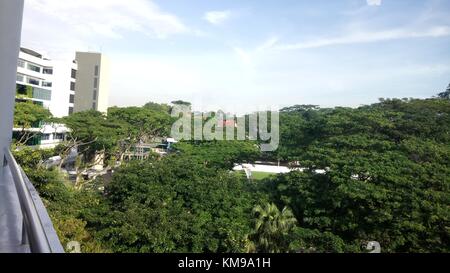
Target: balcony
{"type": "Point", "coordinates": [25, 226]}
{"type": "Point", "coordinates": [30, 92]}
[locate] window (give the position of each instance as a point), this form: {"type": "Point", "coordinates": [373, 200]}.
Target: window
{"type": "Point", "coordinates": [42, 94]}
{"type": "Point", "coordinates": [95, 82]}
{"type": "Point", "coordinates": [58, 136]}
{"type": "Point", "coordinates": [70, 110]}
{"type": "Point", "coordinates": [94, 106]}
{"type": "Point", "coordinates": [33, 81]}
{"type": "Point", "coordinates": [73, 74]}
{"type": "Point", "coordinates": [19, 78]}
{"type": "Point", "coordinates": [33, 92]}
{"type": "Point", "coordinates": [46, 84]}
{"type": "Point", "coordinates": [34, 68]}
{"type": "Point", "coordinates": [72, 86]}
{"type": "Point", "coordinates": [95, 95]}
{"type": "Point", "coordinates": [21, 63]}
{"type": "Point", "coordinates": [24, 91]}
{"type": "Point", "coordinates": [48, 71]}
{"type": "Point", "coordinates": [45, 137]}
{"type": "Point", "coordinates": [96, 70]}
{"type": "Point", "coordinates": [72, 98]}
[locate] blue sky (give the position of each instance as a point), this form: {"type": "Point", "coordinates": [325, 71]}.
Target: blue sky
{"type": "Point", "coordinates": [244, 55]}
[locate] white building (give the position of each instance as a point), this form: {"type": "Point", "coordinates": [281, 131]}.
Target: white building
{"type": "Point", "coordinates": [92, 88]}
{"type": "Point", "coordinates": [63, 97]}
{"type": "Point", "coordinates": [47, 136]}
{"type": "Point", "coordinates": [46, 82]}
{"type": "Point", "coordinates": [50, 84]}
{"type": "Point", "coordinates": [34, 78]}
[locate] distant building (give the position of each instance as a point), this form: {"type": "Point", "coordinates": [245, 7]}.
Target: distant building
{"type": "Point", "coordinates": [64, 88]}
{"type": "Point", "coordinates": [46, 82]}
{"type": "Point", "coordinates": [92, 88]}
{"type": "Point", "coordinates": [34, 78]}
{"type": "Point", "coordinates": [46, 136]}
{"type": "Point", "coordinates": [50, 84]}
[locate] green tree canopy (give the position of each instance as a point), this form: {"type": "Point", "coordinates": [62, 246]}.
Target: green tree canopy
{"type": "Point", "coordinates": [176, 205]}
{"type": "Point", "coordinates": [28, 115]}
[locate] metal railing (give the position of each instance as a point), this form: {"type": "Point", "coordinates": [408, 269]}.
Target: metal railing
{"type": "Point", "coordinates": [37, 231]}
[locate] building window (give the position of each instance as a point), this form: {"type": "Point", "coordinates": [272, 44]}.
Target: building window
{"type": "Point", "coordinates": [21, 63]}
{"type": "Point", "coordinates": [72, 86]}
{"type": "Point", "coordinates": [96, 70]}
{"type": "Point", "coordinates": [70, 110]}
{"type": "Point", "coordinates": [34, 68]}
{"type": "Point", "coordinates": [45, 137]}
{"type": "Point", "coordinates": [24, 91]}
{"type": "Point", "coordinates": [40, 103]}
{"type": "Point", "coordinates": [95, 95]}
{"type": "Point", "coordinates": [42, 94]}
{"type": "Point", "coordinates": [58, 136]}
{"type": "Point", "coordinates": [33, 81]}
{"type": "Point", "coordinates": [94, 106]}
{"type": "Point", "coordinates": [19, 78]}
{"type": "Point", "coordinates": [72, 98]}
{"type": "Point", "coordinates": [46, 84]}
{"type": "Point", "coordinates": [95, 82]}
{"type": "Point", "coordinates": [73, 74]}
{"type": "Point", "coordinates": [47, 71]}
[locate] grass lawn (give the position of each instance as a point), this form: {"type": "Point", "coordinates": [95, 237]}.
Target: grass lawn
{"type": "Point", "coordinates": [258, 175]}
{"type": "Point", "coordinates": [261, 175]}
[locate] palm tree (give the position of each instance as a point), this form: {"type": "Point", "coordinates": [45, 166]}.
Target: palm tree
{"type": "Point", "coordinates": [272, 228]}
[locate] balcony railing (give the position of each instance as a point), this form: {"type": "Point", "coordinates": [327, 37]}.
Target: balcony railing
{"type": "Point", "coordinates": [28, 227]}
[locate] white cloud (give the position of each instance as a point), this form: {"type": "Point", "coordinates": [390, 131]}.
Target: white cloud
{"type": "Point", "coordinates": [374, 2]}
{"type": "Point", "coordinates": [108, 18]}
{"type": "Point", "coordinates": [243, 55]}
{"type": "Point", "coordinates": [248, 56]}
{"type": "Point", "coordinates": [369, 37]}
{"type": "Point", "coordinates": [267, 44]}
{"type": "Point", "coordinates": [217, 17]}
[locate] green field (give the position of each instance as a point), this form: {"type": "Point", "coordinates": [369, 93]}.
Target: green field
{"type": "Point", "coordinates": [258, 175]}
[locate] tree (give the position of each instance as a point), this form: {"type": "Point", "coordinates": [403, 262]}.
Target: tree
{"type": "Point", "coordinates": [28, 115]}
{"type": "Point", "coordinates": [382, 164]}
{"type": "Point", "coordinates": [143, 123]}
{"type": "Point", "coordinates": [272, 228]}
{"type": "Point", "coordinates": [445, 94]}
{"type": "Point", "coordinates": [175, 205]}
{"type": "Point", "coordinates": [95, 137]}
{"type": "Point", "coordinates": [162, 108]}
{"type": "Point", "coordinates": [63, 203]}
{"type": "Point", "coordinates": [181, 102]}
{"type": "Point", "coordinates": [30, 160]}
{"type": "Point", "coordinates": [220, 154]}
{"type": "Point", "coordinates": [378, 172]}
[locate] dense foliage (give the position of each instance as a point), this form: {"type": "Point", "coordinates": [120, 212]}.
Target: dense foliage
{"type": "Point", "coordinates": [388, 173]}
{"type": "Point", "coordinates": [64, 204]}
{"type": "Point", "coordinates": [28, 115]}
{"type": "Point", "coordinates": [219, 154]}
{"type": "Point", "coordinates": [175, 205]}
{"type": "Point", "coordinates": [385, 176]}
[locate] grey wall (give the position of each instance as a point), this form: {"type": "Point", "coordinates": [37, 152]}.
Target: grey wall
{"type": "Point", "coordinates": [11, 12]}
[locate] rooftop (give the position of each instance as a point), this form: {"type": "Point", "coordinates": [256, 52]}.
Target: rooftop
{"type": "Point", "coordinates": [31, 52]}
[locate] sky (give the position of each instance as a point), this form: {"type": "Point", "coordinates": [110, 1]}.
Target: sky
{"type": "Point", "coordinates": [246, 55]}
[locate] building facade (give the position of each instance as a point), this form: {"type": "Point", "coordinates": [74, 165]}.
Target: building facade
{"type": "Point", "coordinates": [63, 100]}
{"type": "Point", "coordinates": [34, 79]}
{"type": "Point", "coordinates": [92, 87]}
{"type": "Point", "coordinates": [46, 82]}
{"type": "Point", "coordinates": [50, 84]}
{"type": "Point", "coordinates": [44, 136]}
